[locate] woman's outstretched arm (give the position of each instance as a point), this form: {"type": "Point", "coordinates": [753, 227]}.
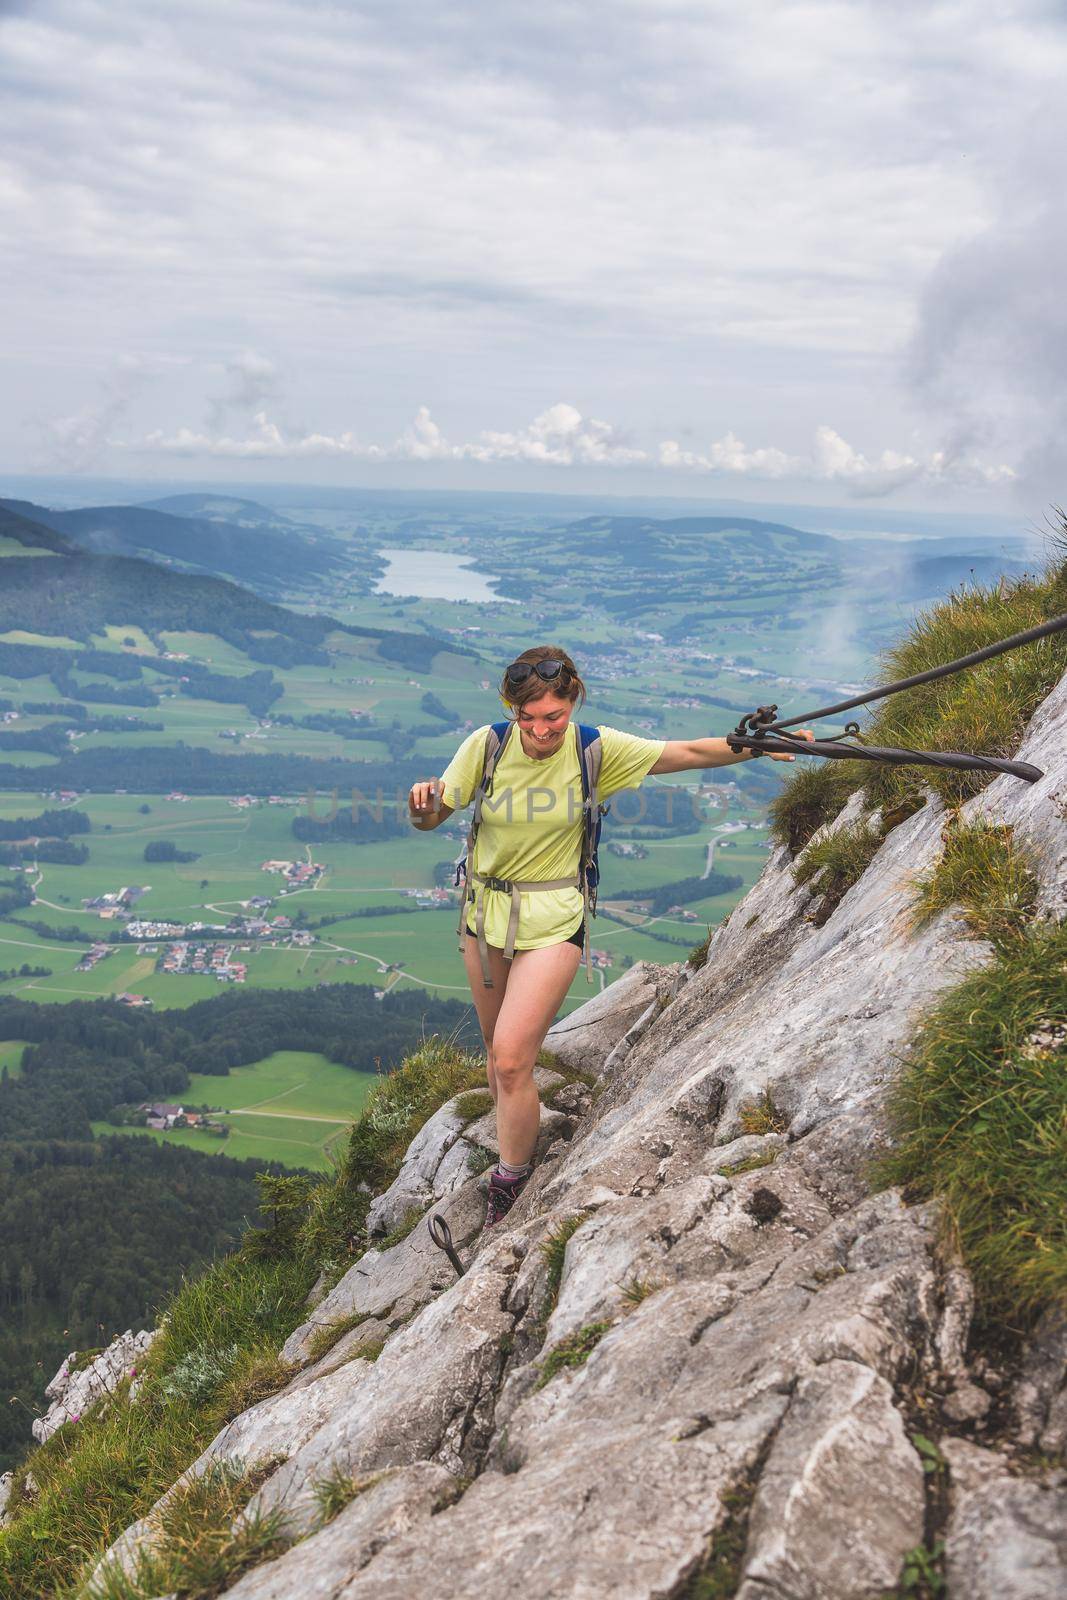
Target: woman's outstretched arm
{"type": "Point", "coordinates": [682, 755]}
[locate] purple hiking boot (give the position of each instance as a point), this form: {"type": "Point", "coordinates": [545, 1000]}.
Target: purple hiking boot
{"type": "Point", "coordinates": [503, 1193]}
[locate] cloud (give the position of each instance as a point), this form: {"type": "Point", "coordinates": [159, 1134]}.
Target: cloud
{"type": "Point", "coordinates": [833, 460]}
{"type": "Point", "coordinates": [252, 379]}
{"type": "Point", "coordinates": [724, 215]}
{"type": "Point", "coordinates": [562, 437]}
{"type": "Point", "coordinates": [989, 355]}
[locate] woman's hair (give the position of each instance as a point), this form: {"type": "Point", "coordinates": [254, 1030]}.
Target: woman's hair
{"type": "Point", "coordinates": [568, 686]}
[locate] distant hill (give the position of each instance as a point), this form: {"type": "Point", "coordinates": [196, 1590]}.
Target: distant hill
{"type": "Point", "coordinates": [264, 552]}
{"type": "Point", "coordinates": [81, 594]}
{"type": "Point", "coordinates": [22, 530]}
{"type": "Point", "coordinates": [919, 577]}
{"type": "Point", "coordinates": [225, 508]}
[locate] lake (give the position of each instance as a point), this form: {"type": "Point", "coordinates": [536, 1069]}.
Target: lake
{"type": "Point", "coordinates": [435, 575]}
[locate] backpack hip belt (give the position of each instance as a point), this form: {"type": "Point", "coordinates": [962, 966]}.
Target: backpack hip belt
{"type": "Point", "coordinates": [515, 887]}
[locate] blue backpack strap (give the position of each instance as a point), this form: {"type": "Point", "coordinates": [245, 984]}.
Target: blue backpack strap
{"type": "Point", "coordinates": [586, 736]}
{"type": "Point", "coordinates": [494, 744]}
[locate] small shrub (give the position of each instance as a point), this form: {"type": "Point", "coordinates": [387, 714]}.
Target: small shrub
{"type": "Point", "coordinates": [922, 1576]}
{"type": "Point", "coordinates": [573, 1351]}
{"type": "Point", "coordinates": [982, 870]}
{"type": "Point", "coordinates": [763, 1116]}
{"type": "Point", "coordinates": [198, 1374]}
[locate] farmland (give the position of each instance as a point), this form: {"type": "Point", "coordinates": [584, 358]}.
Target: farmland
{"type": "Point", "coordinates": [293, 1107]}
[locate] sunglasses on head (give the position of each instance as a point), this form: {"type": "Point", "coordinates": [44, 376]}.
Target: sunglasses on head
{"type": "Point", "coordinates": [519, 671]}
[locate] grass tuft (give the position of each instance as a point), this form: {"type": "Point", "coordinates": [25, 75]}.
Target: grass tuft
{"type": "Point", "coordinates": [201, 1547]}
{"type": "Point", "coordinates": [338, 1489]}
{"type": "Point", "coordinates": [474, 1104]}
{"type": "Point", "coordinates": [573, 1351]}
{"type": "Point", "coordinates": [980, 1115]}
{"type": "Point", "coordinates": [983, 871]}
{"type": "Point", "coordinates": [835, 862]}
{"type": "Point", "coordinates": [330, 1333]}
{"type": "Point", "coordinates": [763, 1116]}
{"type": "Point", "coordinates": [813, 796]}
{"type": "Point", "coordinates": [410, 1221]}
{"type": "Point", "coordinates": [734, 1169]}
{"type": "Point", "coordinates": [553, 1250]}
{"type": "Point", "coordinates": [255, 1375]}
{"type": "Point", "coordinates": [636, 1289]}
{"type": "Point", "coordinates": [698, 956]}
{"type": "Point", "coordinates": [479, 1160]}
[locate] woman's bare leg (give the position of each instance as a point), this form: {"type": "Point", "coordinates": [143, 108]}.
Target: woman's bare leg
{"type": "Point", "coordinates": [536, 988]}
{"type": "Point", "coordinates": [487, 1002]}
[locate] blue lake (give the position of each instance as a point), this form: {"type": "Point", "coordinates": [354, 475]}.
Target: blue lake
{"type": "Point", "coordinates": [435, 575]}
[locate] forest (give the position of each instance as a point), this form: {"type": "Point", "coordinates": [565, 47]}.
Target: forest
{"type": "Point", "coordinates": [97, 1230]}
{"type": "Point", "coordinates": [85, 1057]}
{"type": "Point", "coordinates": [95, 1234]}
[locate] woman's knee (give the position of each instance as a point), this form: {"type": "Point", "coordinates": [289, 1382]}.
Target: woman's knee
{"type": "Point", "coordinates": [511, 1067]}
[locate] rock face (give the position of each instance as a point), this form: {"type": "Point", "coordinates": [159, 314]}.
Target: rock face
{"type": "Point", "coordinates": [73, 1388]}
{"type": "Point", "coordinates": [722, 1366]}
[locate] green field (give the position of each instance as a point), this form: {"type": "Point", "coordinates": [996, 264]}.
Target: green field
{"type": "Point", "coordinates": [11, 1056]}
{"type": "Point", "coordinates": [293, 1107]}
{"type": "Point", "coordinates": [231, 845]}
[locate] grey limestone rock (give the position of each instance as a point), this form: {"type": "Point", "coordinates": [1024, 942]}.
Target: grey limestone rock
{"type": "Point", "coordinates": [585, 1037]}
{"type": "Point", "coordinates": [1040, 1393]}
{"type": "Point", "coordinates": [840, 1500]}
{"type": "Point", "coordinates": [1007, 1539]}
{"type": "Point", "coordinates": [73, 1390]}
{"type": "Point", "coordinates": [428, 1397]}
{"type": "Point", "coordinates": [756, 1326]}
{"type": "Point", "coordinates": [323, 1566]}
{"type": "Point", "coordinates": [392, 1284]}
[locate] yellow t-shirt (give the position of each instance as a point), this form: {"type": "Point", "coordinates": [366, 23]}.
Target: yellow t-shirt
{"type": "Point", "coordinates": [531, 824]}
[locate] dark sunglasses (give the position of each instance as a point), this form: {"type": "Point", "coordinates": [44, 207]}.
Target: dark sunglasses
{"type": "Point", "coordinates": [519, 671]}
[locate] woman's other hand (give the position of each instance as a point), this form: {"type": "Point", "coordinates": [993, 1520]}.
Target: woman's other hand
{"type": "Point", "coordinates": [425, 798]}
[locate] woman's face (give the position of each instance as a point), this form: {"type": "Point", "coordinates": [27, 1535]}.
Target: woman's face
{"type": "Point", "coordinates": [543, 723]}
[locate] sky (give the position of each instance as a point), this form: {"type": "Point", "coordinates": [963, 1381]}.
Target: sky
{"type": "Point", "coordinates": [793, 249]}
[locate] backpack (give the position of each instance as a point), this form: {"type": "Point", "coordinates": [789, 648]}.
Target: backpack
{"type": "Point", "coordinates": [590, 755]}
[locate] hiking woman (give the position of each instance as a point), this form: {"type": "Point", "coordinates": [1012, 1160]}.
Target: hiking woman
{"type": "Point", "coordinates": [526, 942]}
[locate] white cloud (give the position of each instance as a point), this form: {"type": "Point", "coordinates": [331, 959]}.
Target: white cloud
{"type": "Point", "coordinates": [562, 437]}
{"type": "Point", "coordinates": [715, 215]}
{"type": "Point", "coordinates": [832, 459]}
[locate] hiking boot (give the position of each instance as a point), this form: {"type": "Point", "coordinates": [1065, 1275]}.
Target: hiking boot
{"type": "Point", "coordinates": [503, 1193]}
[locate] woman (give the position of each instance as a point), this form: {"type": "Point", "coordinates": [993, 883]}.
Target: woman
{"type": "Point", "coordinates": [533, 830]}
